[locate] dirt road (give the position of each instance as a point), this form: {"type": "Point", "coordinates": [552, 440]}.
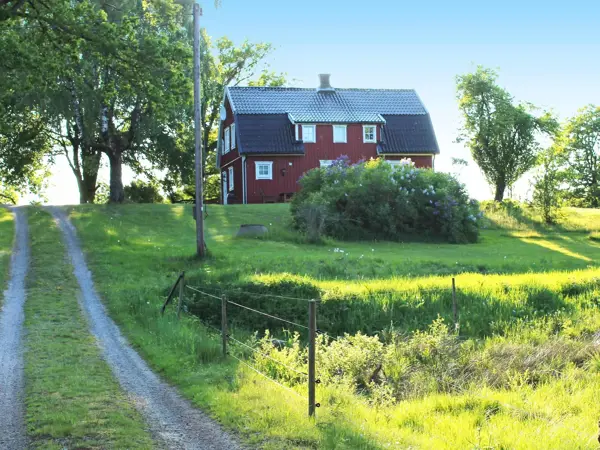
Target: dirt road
{"type": "Point", "coordinates": [172, 419]}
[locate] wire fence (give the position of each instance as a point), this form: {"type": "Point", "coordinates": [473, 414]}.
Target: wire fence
{"type": "Point", "coordinates": [309, 375]}
{"type": "Point", "coordinates": [313, 331]}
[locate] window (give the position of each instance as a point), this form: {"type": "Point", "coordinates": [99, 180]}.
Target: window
{"type": "Point", "coordinates": [227, 139]}
{"type": "Point", "coordinates": [339, 133]}
{"type": "Point", "coordinates": [325, 163]}
{"type": "Point", "coordinates": [231, 179]}
{"type": "Point", "coordinates": [309, 133]}
{"type": "Point", "coordinates": [232, 136]}
{"type": "Point", "coordinates": [369, 133]}
{"type": "Point", "coordinates": [264, 170]}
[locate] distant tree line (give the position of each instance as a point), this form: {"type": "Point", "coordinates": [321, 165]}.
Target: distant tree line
{"type": "Point", "coordinates": [505, 139]}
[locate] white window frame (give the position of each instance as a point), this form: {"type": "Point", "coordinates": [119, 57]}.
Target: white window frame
{"type": "Point", "coordinates": [230, 178]}
{"type": "Point", "coordinates": [227, 139]}
{"type": "Point", "coordinates": [269, 165]}
{"type": "Point", "coordinates": [369, 141]}
{"type": "Point", "coordinates": [324, 163]}
{"type": "Point", "coordinates": [340, 127]}
{"type": "Point", "coordinates": [314, 128]}
{"type": "Point", "coordinates": [232, 127]}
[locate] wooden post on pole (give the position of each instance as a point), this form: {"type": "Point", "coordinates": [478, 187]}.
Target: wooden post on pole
{"type": "Point", "coordinates": [312, 335]}
{"type": "Point", "coordinates": [224, 323]}
{"type": "Point", "coordinates": [200, 246]}
{"type": "Point", "coordinates": [181, 286]}
{"type": "Point", "coordinates": [455, 306]}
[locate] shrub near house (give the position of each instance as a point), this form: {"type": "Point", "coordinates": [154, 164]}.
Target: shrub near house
{"type": "Point", "coordinates": [373, 200]}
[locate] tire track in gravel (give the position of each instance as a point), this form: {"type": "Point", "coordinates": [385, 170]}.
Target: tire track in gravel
{"type": "Point", "coordinates": [172, 419]}
{"type": "Point", "coordinates": [12, 315]}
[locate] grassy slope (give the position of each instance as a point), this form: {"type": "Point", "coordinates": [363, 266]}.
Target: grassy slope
{"type": "Point", "coordinates": [135, 252]}
{"type": "Point", "coordinates": [72, 399]}
{"type": "Point", "coordinates": [6, 241]}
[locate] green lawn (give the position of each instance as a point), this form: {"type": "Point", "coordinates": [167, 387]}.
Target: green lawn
{"type": "Point", "coordinates": [524, 289]}
{"type": "Point", "coordinates": [6, 241]}
{"type": "Point", "coordinates": [72, 399]}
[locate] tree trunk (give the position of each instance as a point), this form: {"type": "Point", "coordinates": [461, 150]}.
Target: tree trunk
{"type": "Point", "coordinates": [117, 193]}
{"type": "Point", "coordinates": [500, 188]}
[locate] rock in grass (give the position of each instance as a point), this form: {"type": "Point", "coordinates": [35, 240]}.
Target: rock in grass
{"type": "Point", "coordinates": [249, 230]}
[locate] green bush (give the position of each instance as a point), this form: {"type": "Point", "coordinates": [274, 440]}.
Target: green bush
{"type": "Point", "coordinates": [143, 192]}
{"type": "Point", "coordinates": [373, 200]}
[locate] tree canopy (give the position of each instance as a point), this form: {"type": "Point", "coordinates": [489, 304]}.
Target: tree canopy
{"type": "Point", "coordinates": [582, 146]}
{"type": "Point", "coordinates": [503, 136]}
{"type": "Point", "coordinates": [98, 78]}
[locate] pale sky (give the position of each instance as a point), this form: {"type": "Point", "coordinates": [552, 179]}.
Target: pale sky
{"type": "Point", "coordinates": [547, 54]}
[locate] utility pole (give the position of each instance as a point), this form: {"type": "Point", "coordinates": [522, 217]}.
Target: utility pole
{"type": "Point", "coordinates": [200, 246]}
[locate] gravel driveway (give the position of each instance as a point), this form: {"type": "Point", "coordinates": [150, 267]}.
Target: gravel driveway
{"type": "Point", "coordinates": [172, 419]}
{"type": "Point", "coordinates": [12, 420]}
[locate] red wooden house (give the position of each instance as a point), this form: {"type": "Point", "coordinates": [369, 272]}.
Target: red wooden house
{"type": "Point", "coordinates": [270, 136]}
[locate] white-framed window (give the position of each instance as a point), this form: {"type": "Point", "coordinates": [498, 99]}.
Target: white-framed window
{"type": "Point", "coordinates": [339, 134]}
{"type": "Point", "coordinates": [230, 178]}
{"type": "Point", "coordinates": [227, 139]}
{"type": "Point", "coordinates": [309, 133]}
{"type": "Point", "coordinates": [264, 170]}
{"type": "Point", "coordinates": [369, 133]}
{"type": "Point", "coordinates": [325, 163]}
{"type": "Point", "coordinates": [232, 136]}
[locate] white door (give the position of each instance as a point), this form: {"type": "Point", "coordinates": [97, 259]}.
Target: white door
{"type": "Point", "coordinates": [224, 189]}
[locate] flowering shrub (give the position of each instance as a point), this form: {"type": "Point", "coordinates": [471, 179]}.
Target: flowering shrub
{"type": "Point", "coordinates": [373, 200]}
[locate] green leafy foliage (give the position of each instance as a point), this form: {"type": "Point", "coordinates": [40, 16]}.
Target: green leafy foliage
{"type": "Point", "coordinates": [582, 146]}
{"type": "Point", "coordinates": [547, 182]}
{"type": "Point", "coordinates": [373, 200]}
{"type": "Point", "coordinates": [224, 63]}
{"type": "Point", "coordinates": [502, 136]}
{"type": "Point", "coordinates": [140, 191]}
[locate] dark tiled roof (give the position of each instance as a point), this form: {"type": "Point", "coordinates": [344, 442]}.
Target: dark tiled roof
{"type": "Point", "coordinates": [339, 106]}
{"type": "Point", "coordinates": [271, 133]}
{"type": "Point", "coordinates": [408, 134]}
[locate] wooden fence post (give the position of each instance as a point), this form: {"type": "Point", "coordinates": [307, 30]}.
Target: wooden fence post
{"type": "Point", "coordinates": [224, 323]}
{"type": "Point", "coordinates": [312, 334]}
{"type": "Point", "coordinates": [455, 306]}
{"type": "Point", "coordinates": [181, 286]}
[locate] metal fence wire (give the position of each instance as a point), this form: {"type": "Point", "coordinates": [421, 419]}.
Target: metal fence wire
{"type": "Point", "coordinates": [309, 375]}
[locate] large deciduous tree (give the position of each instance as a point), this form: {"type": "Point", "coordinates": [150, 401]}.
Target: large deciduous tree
{"type": "Point", "coordinates": [502, 136]}
{"type": "Point", "coordinates": [111, 78]}
{"type": "Point", "coordinates": [582, 145]}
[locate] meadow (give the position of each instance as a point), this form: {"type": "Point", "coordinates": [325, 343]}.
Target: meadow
{"type": "Point", "coordinates": [520, 373]}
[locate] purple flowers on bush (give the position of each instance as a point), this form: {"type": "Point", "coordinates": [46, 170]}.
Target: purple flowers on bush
{"type": "Point", "coordinates": [376, 200]}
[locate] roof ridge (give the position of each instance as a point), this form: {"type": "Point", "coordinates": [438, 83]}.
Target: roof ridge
{"type": "Point", "coordinates": [292, 88]}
